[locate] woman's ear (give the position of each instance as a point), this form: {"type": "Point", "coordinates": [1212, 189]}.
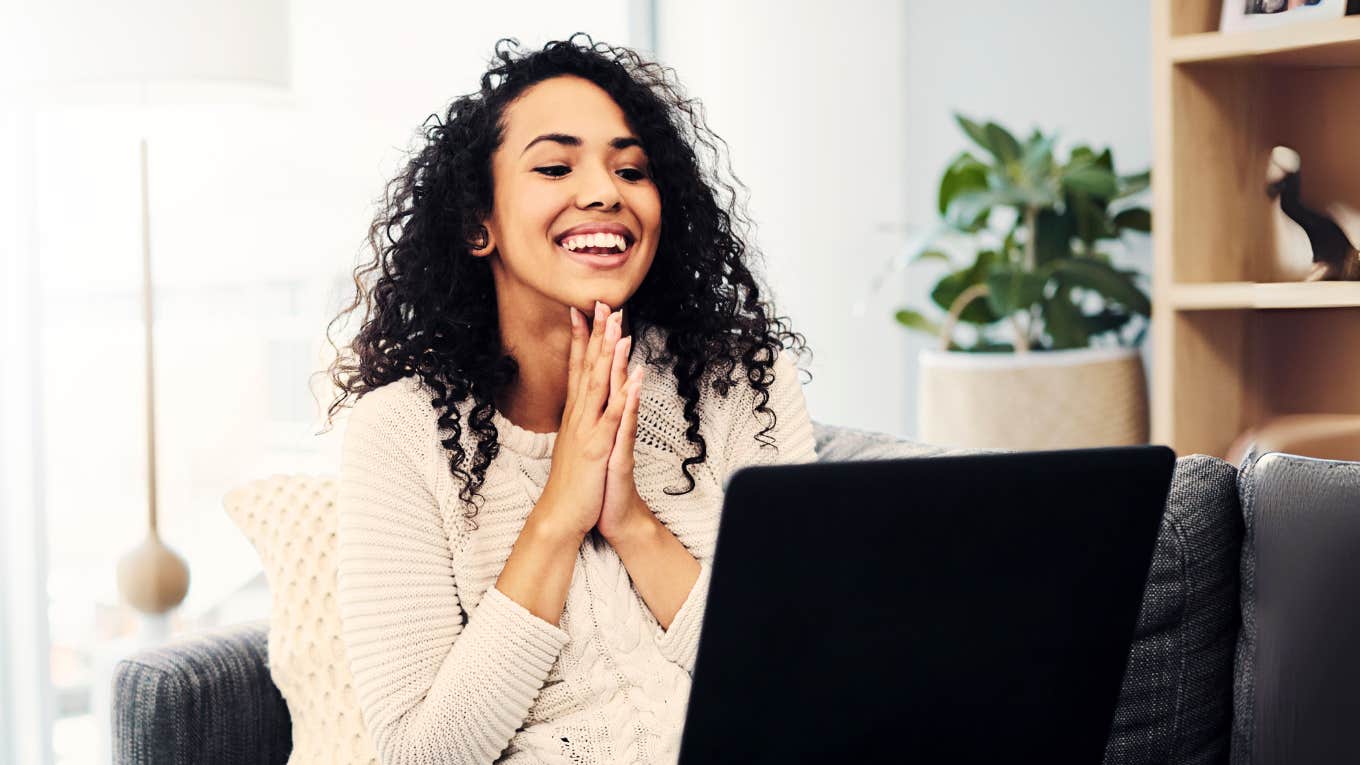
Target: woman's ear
{"type": "Point", "coordinates": [481, 243]}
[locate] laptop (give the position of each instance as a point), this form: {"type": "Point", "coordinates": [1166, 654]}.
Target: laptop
{"type": "Point", "coordinates": [974, 608]}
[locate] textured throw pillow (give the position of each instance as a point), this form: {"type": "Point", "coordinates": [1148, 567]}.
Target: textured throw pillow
{"type": "Point", "coordinates": [1176, 702]}
{"type": "Point", "coordinates": [291, 521]}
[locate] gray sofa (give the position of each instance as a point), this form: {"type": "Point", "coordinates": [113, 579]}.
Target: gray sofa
{"type": "Point", "coordinates": [1247, 648]}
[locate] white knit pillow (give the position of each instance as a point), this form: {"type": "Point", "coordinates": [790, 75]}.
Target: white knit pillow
{"type": "Point", "coordinates": [291, 521]}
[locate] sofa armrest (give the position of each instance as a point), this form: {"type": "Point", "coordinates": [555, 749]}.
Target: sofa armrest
{"type": "Point", "coordinates": [206, 697]}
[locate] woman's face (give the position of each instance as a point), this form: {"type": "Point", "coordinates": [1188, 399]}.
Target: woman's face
{"type": "Point", "coordinates": [567, 159]}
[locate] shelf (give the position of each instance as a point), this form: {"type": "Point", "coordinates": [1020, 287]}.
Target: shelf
{"type": "Point", "coordinates": [1251, 295]}
{"type": "Point", "coordinates": [1333, 42]}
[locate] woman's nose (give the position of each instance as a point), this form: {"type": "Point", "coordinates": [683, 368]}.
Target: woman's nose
{"type": "Point", "coordinates": [597, 187]}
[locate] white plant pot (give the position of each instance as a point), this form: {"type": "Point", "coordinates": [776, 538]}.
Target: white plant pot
{"type": "Point", "coordinates": [1070, 399]}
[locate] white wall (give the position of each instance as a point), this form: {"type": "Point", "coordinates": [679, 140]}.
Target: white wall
{"type": "Point", "coordinates": [808, 96]}
{"type": "Point", "coordinates": [1080, 67]}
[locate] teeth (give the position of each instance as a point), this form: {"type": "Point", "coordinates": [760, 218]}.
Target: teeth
{"type": "Point", "coordinates": [595, 240]}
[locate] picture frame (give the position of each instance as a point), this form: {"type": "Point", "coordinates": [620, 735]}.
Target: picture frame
{"type": "Point", "coordinates": [1240, 15]}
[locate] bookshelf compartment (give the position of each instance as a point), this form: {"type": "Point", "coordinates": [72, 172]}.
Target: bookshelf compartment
{"type": "Point", "coordinates": [1225, 119]}
{"type": "Point", "coordinates": [1235, 369]}
{"type": "Point", "coordinates": [1306, 361]}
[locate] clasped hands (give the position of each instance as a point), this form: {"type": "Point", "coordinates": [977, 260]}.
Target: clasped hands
{"type": "Point", "coordinates": [590, 483]}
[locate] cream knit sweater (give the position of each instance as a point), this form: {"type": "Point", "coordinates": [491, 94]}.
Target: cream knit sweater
{"type": "Point", "coordinates": [447, 668]}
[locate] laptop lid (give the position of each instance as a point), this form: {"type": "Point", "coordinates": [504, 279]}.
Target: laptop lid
{"type": "Point", "coordinates": [945, 609]}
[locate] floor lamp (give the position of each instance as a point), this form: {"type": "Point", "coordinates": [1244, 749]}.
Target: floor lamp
{"type": "Point", "coordinates": [163, 53]}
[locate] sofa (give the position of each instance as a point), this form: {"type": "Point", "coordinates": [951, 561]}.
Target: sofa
{"type": "Point", "coordinates": [1247, 647]}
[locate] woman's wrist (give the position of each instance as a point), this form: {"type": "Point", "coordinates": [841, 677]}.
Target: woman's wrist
{"type": "Point", "coordinates": [544, 529]}
{"type": "Point", "coordinates": [638, 529]}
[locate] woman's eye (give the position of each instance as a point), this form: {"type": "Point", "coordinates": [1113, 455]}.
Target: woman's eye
{"type": "Point", "coordinates": [552, 172]}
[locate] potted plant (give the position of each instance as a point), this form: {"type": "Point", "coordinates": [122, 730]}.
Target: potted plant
{"type": "Point", "coordinates": [1050, 367]}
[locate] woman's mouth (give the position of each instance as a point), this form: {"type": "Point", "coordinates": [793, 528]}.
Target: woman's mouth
{"type": "Point", "coordinates": [599, 257]}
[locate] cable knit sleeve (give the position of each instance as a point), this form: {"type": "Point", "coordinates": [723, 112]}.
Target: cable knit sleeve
{"type": "Point", "coordinates": [431, 688]}
{"type": "Point", "coordinates": [792, 436]}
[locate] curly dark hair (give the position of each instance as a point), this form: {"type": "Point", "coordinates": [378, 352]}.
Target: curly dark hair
{"type": "Point", "coordinates": [431, 310]}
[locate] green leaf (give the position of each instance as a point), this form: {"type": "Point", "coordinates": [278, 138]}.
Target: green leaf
{"type": "Point", "coordinates": [1081, 154]}
{"type": "Point", "coordinates": [1100, 277]}
{"type": "Point", "coordinates": [1037, 159]}
{"type": "Point", "coordinates": [917, 321]}
{"type": "Point", "coordinates": [1132, 184]}
{"type": "Point", "coordinates": [948, 288]}
{"type": "Point", "coordinates": [1106, 321]}
{"type": "Point", "coordinates": [965, 173]}
{"type": "Point", "coordinates": [1134, 218]}
{"type": "Point", "coordinates": [969, 210]}
{"type": "Point", "coordinates": [1063, 321]}
{"type": "Point", "coordinates": [1092, 221]}
{"type": "Point", "coordinates": [1013, 289]}
{"type": "Point", "coordinates": [974, 131]}
{"type": "Point", "coordinates": [1053, 235]}
{"type": "Point", "coordinates": [1090, 179]}
{"type": "Point", "coordinates": [1003, 144]}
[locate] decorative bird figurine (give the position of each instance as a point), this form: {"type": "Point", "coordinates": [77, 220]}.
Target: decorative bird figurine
{"type": "Point", "coordinates": [1326, 252]}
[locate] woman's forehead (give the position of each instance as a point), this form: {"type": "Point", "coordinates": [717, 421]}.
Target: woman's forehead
{"type": "Point", "coordinates": [564, 105]}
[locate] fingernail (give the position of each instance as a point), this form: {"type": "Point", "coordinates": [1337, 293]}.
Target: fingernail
{"type": "Point", "coordinates": [575, 320]}
{"type": "Point", "coordinates": [599, 310]}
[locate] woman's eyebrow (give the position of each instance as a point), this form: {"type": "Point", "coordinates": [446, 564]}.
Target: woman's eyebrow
{"type": "Point", "coordinates": [621, 142]}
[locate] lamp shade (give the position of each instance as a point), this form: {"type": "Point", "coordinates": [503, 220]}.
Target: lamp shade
{"type": "Point", "coordinates": [154, 51]}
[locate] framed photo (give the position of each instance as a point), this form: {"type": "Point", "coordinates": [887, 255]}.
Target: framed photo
{"type": "Point", "coordinates": [1258, 14]}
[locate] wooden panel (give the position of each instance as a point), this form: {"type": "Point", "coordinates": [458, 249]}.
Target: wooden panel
{"type": "Point", "coordinates": [1192, 16]}
{"type": "Point", "coordinates": [1211, 401]}
{"type": "Point", "coordinates": [1163, 330]}
{"type": "Point", "coordinates": [1217, 167]}
{"type": "Point", "coordinates": [1310, 361]}
{"type": "Point", "coordinates": [1333, 42]}
{"type": "Point", "coordinates": [1237, 295]}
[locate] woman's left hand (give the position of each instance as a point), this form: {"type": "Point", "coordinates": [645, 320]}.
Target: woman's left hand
{"type": "Point", "coordinates": [623, 506]}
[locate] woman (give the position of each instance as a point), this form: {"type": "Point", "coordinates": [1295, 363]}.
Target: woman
{"type": "Point", "coordinates": [561, 295]}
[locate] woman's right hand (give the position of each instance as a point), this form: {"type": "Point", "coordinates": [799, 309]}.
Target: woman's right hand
{"type": "Point", "coordinates": [574, 493]}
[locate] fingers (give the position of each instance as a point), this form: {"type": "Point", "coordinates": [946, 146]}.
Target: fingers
{"type": "Point", "coordinates": [597, 391]}
{"type": "Point", "coordinates": [597, 330]}
{"type": "Point", "coordinates": [576, 357]}
{"type": "Point", "coordinates": [623, 409]}
{"type": "Point", "coordinates": [618, 373]}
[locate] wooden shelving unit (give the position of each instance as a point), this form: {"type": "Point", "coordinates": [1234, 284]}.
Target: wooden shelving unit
{"type": "Point", "coordinates": [1233, 348]}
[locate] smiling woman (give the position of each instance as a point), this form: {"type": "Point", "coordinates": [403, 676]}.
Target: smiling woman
{"type": "Point", "coordinates": [544, 603]}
